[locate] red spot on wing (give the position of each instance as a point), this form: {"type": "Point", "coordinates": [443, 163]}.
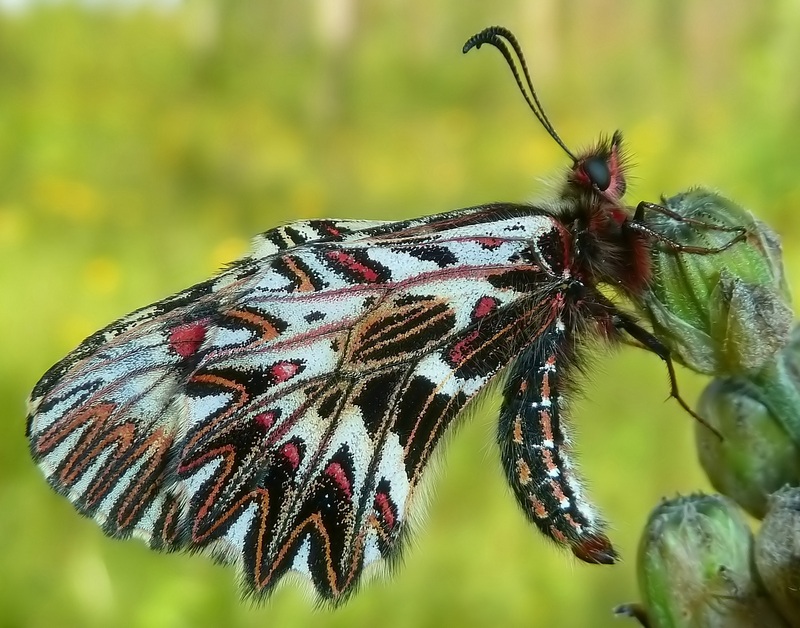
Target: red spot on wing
{"type": "Point", "coordinates": [336, 472]}
{"type": "Point", "coordinates": [489, 243]}
{"type": "Point", "coordinates": [463, 347]}
{"type": "Point", "coordinates": [283, 371]}
{"type": "Point", "coordinates": [265, 420]}
{"type": "Point", "coordinates": [384, 508]}
{"type": "Point", "coordinates": [185, 340]}
{"type": "Point", "coordinates": [291, 454]}
{"type": "Point", "coordinates": [354, 265]}
{"type": "Point", "coordinates": [484, 307]}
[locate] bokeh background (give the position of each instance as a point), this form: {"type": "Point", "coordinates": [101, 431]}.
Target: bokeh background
{"type": "Point", "coordinates": [142, 144]}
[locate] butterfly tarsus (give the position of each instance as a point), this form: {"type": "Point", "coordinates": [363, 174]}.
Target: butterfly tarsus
{"type": "Point", "coordinates": [637, 224]}
{"type": "Point", "coordinates": [636, 611]}
{"type": "Point", "coordinates": [654, 345]}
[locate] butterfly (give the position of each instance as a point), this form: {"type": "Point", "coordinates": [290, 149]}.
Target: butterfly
{"type": "Point", "coordinates": [281, 415]}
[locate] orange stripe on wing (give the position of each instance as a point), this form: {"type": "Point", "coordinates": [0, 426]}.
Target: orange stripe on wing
{"type": "Point", "coordinates": [268, 330]}
{"type": "Point", "coordinates": [306, 284]}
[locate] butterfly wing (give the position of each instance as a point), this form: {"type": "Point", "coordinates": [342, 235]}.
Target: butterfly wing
{"type": "Point", "coordinates": [280, 416]}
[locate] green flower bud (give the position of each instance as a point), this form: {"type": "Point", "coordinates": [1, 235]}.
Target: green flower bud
{"type": "Point", "coordinates": [755, 456]}
{"type": "Point", "coordinates": [719, 313]}
{"type": "Point", "coordinates": [778, 386]}
{"type": "Point", "coordinates": [777, 553]}
{"type": "Point", "coordinates": [694, 567]}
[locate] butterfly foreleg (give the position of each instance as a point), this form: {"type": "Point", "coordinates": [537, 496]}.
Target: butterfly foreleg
{"type": "Point", "coordinates": [652, 344]}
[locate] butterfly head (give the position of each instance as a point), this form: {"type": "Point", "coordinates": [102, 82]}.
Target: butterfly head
{"type": "Point", "coordinates": [599, 171]}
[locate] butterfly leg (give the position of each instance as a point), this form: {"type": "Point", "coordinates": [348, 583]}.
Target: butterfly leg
{"type": "Point", "coordinates": [650, 343]}
{"type": "Point", "coordinates": [637, 224]}
{"type": "Point", "coordinates": [535, 450]}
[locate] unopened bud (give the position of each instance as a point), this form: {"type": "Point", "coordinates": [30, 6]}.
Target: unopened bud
{"type": "Point", "coordinates": [777, 553]}
{"type": "Point", "coordinates": [755, 456]}
{"type": "Point", "coordinates": [694, 567]}
{"type": "Point", "coordinates": [724, 312]}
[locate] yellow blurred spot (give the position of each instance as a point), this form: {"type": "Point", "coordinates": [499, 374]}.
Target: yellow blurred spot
{"type": "Point", "coordinates": [102, 276]}
{"type": "Point", "coordinates": [226, 251]}
{"type": "Point", "coordinates": [91, 584]}
{"type": "Point", "coordinates": [67, 198]}
{"type": "Point", "coordinates": [460, 120]}
{"type": "Point", "coordinates": [651, 134]}
{"type": "Point", "coordinates": [307, 201]}
{"type": "Point", "coordinates": [74, 329]}
{"type": "Point", "coordinates": [12, 226]}
{"type": "Point", "coordinates": [537, 158]}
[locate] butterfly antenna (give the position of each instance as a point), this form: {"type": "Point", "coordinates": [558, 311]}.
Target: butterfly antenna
{"type": "Point", "coordinates": [497, 36]}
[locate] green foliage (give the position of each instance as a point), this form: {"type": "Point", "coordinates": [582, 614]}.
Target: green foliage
{"type": "Point", "coordinates": [140, 147]}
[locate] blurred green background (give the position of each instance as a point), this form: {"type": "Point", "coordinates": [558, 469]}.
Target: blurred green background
{"type": "Point", "coordinates": [141, 146]}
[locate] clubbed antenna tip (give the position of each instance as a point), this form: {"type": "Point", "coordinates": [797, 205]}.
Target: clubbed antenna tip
{"type": "Point", "coordinates": [501, 38]}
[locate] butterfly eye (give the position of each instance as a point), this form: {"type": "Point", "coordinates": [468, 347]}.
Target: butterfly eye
{"type": "Point", "coordinates": [596, 168]}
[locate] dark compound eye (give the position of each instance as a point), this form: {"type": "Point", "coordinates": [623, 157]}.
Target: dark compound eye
{"type": "Point", "coordinates": [596, 168]}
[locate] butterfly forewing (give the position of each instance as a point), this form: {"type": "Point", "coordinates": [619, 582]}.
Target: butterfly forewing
{"type": "Point", "coordinates": [281, 415]}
